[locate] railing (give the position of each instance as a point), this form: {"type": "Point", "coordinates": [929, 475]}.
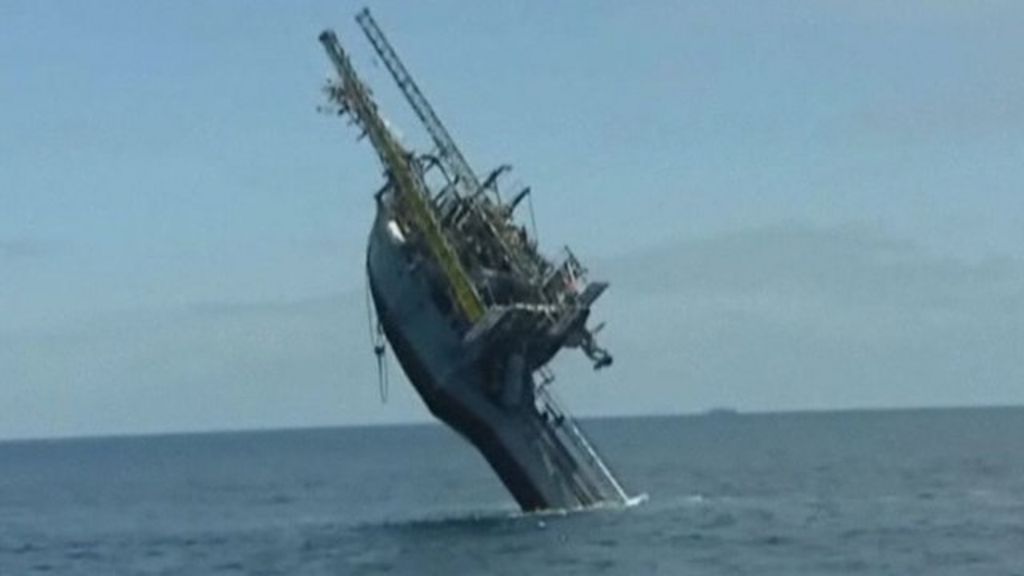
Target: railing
{"type": "Point", "coordinates": [579, 442]}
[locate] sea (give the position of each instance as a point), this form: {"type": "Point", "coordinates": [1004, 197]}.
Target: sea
{"type": "Point", "coordinates": [899, 492]}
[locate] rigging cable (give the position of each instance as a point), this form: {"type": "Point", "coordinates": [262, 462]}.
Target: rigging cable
{"type": "Point", "coordinates": [377, 341]}
{"type": "Point", "coordinates": [382, 365]}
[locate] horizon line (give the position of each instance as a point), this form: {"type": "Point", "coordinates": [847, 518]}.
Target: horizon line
{"type": "Point", "coordinates": [713, 412]}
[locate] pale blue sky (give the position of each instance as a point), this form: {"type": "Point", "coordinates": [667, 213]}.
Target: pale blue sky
{"type": "Point", "coordinates": [799, 204]}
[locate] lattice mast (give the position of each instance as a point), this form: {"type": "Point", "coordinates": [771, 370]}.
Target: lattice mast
{"type": "Point", "coordinates": [494, 220]}
{"type": "Point", "coordinates": [448, 152]}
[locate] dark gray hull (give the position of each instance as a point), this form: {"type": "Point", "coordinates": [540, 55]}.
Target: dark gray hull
{"type": "Point", "coordinates": [538, 452]}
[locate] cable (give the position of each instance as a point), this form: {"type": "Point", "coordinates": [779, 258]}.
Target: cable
{"type": "Point", "coordinates": [382, 364]}
{"type": "Point", "coordinates": [378, 343]}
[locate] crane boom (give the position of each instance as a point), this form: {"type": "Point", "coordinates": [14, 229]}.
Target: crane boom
{"type": "Point", "coordinates": [448, 152]}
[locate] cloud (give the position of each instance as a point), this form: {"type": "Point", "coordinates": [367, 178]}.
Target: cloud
{"type": "Point", "coordinates": [21, 249]}
{"type": "Point", "coordinates": [793, 316]}
{"type": "Point", "coordinates": [780, 317]}
{"type": "Point", "coordinates": [250, 308]}
{"type": "Point", "coordinates": [850, 266]}
{"type": "Point", "coordinates": [212, 365]}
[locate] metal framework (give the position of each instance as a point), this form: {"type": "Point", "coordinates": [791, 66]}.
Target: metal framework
{"type": "Point", "coordinates": [448, 152]}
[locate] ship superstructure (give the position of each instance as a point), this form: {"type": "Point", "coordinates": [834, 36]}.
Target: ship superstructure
{"type": "Point", "coordinates": [472, 309]}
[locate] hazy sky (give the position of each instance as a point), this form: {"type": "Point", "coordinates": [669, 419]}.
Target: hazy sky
{"type": "Point", "coordinates": [799, 204]}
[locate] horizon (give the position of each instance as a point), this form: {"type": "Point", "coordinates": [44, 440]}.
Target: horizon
{"type": "Point", "coordinates": [433, 423]}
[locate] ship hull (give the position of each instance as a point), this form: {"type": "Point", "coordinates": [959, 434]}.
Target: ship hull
{"type": "Point", "coordinates": [539, 453]}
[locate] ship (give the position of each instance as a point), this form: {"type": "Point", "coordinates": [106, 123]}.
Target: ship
{"type": "Point", "coordinates": [472, 310]}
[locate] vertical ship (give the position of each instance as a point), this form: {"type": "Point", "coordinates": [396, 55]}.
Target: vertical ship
{"type": "Point", "coordinates": [470, 307]}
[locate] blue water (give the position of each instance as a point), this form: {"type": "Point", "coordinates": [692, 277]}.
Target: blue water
{"type": "Point", "coordinates": [902, 492]}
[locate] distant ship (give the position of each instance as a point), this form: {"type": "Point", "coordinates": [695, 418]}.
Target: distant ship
{"type": "Point", "coordinates": [721, 411]}
{"type": "Point", "coordinates": [472, 310]}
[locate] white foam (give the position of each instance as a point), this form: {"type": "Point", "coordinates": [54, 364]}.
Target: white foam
{"type": "Point", "coordinates": [637, 500]}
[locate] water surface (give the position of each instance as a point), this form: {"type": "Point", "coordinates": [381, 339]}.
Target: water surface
{"type": "Point", "coordinates": [900, 492]}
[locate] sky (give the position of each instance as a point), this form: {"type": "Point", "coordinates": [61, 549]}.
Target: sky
{"type": "Point", "coordinates": [799, 204]}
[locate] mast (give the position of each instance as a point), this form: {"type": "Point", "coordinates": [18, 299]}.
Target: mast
{"type": "Point", "coordinates": [448, 152]}
{"type": "Point", "coordinates": [352, 97]}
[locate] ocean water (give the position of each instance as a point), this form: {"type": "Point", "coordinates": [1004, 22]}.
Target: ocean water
{"type": "Point", "coordinates": [898, 492]}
